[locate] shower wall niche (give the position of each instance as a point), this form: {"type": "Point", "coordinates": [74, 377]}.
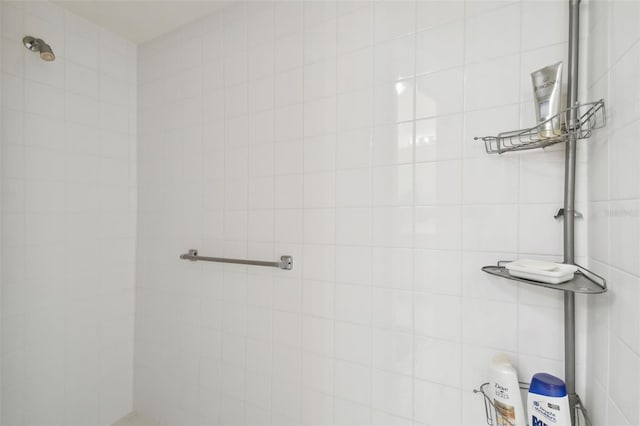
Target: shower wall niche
{"type": "Point", "coordinates": [68, 220]}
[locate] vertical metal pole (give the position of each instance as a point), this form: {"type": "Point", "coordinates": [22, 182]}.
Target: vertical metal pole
{"type": "Point", "coordinates": [570, 351]}
{"type": "Point", "coordinates": [569, 207]}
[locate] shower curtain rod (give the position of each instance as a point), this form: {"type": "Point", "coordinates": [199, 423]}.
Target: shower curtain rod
{"type": "Point", "coordinates": [286, 262]}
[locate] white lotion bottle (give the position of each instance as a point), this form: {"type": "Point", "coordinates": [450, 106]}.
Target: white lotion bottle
{"type": "Point", "coordinates": [505, 393]}
{"type": "Point", "coordinates": [548, 402]}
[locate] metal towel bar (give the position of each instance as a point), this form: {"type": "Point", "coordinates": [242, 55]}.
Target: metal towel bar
{"type": "Point", "coordinates": [286, 262]}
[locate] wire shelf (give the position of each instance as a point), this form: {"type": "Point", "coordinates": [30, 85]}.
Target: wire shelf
{"type": "Point", "coordinates": [590, 116]}
{"type": "Point", "coordinates": [494, 416]}
{"type": "Point", "coordinates": [584, 281]}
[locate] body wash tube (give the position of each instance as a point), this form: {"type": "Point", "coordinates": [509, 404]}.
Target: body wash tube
{"type": "Point", "coordinates": [547, 91]}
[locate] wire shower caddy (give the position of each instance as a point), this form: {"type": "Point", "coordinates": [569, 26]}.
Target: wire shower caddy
{"type": "Point", "coordinates": [576, 122]}
{"type": "Point", "coordinates": [590, 116]}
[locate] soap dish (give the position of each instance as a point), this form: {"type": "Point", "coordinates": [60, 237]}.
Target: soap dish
{"type": "Point", "coordinates": [553, 275]}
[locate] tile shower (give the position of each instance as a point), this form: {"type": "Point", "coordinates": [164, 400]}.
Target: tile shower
{"type": "Point", "coordinates": [338, 133]}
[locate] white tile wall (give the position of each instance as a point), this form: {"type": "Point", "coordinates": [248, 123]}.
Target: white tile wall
{"type": "Point", "coordinates": [69, 197]}
{"type": "Point", "coordinates": [614, 358]}
{"type": "Point", "coordinates": [342, 134]}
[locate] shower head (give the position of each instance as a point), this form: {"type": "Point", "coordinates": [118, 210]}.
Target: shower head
{"type": "Point", "coordinates": [38, 45]}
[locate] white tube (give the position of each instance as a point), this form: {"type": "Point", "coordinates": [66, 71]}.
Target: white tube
{"type": "Point", "coordinates": [547, 91]}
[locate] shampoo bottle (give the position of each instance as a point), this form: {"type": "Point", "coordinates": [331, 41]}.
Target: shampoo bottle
{"type": "Point", "coordinates": [547, 402]}
{"type": "Point", "coordinates": [505, 393]}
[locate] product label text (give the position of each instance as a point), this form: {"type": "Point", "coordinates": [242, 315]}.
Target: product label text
{"type": "Point", "coordinates": [536, 422]}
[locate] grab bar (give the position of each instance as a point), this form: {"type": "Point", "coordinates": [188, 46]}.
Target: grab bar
{"type": "Point", "coordinates": [286, 262]}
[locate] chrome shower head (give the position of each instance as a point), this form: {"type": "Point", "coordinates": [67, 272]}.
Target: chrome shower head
{"type": "Point", "coordinates": [38, 45]}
